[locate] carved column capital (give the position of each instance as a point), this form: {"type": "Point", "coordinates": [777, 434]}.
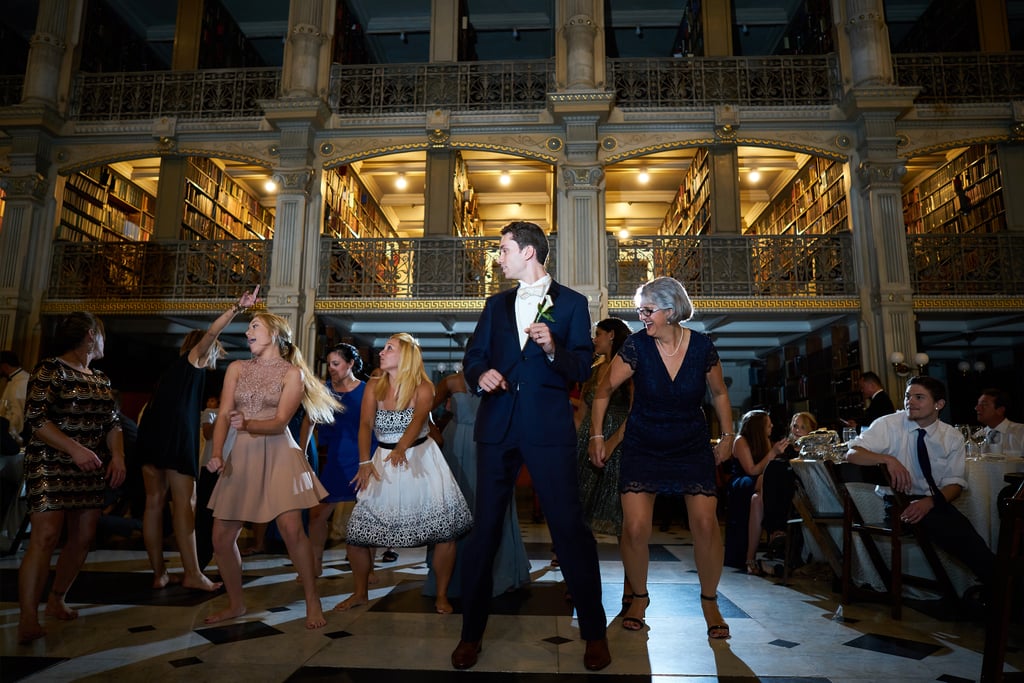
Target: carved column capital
{"type": "Point", "coordinates": [299, 181]}
{"type": "Point", "coordinates": [874, 172]}
{"type": "Point", "coordinates": [32, 187]}
{"type": "Point", "coordinates": [582, 177]}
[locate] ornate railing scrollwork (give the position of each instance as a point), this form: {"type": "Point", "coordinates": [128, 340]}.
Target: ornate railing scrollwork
{"type": "Point", "coordinates": [10, 90]}
{"type": "Point", "coordinates": [786, 81]}
{"type": "Point", "coordinates": [961, 77]}
{"type": "Point", "coordinates": [208, 94]}
{"type": "Point", "coordinates": [159, 269]}
{"type": "Point", "coordinates": [966, 264]}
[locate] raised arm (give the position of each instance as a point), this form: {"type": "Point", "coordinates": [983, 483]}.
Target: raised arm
{"type": "Point", "coordinates": [200, 350]}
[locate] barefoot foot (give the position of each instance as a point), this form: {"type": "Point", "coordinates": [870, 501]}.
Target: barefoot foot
{"type": "Point", "coordinates": [202, 584]}
{"type": "Point", "coordinates": [372, 579]}
{"type": "Point", "coordinates": [315, 615]}
{"type": "Point", "coordinates": [350, 602]}
{"type": "Point", "coordinates": [443, 606]}
{"type": "Point", "coordinates": [29, 632]}
{"type": "Point", "coordinates": [57, 608]}
{"type": "Point", "coordinates": [224, 615]}
{"type": "Point", "coordinates": [165, 579]}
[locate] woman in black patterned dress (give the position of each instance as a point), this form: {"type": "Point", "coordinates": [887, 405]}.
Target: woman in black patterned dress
{"type": "Point", "coordinates": [75, 450]}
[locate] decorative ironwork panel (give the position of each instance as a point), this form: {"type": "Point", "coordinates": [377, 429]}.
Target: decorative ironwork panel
{"type": "Point", "coordinates": [10, 90]}
{"type": "Point", "coordinates": [467, 86]}
{"type": "Point", "coordinates": [730, 266]}
{"type": "Point", "coordinates": [959, 264]}
{"type": "Point", "coordinates": [707, 81]}
{"type": "Point", "coordinates": [158, 269]}
{"type": "Point", "coordinates": [962, 77]}
{"type": "Point", "coordinates": [209, 93]}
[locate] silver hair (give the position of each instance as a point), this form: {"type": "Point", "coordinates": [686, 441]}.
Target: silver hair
{"type": "Point", "coordinates": [666, 292]}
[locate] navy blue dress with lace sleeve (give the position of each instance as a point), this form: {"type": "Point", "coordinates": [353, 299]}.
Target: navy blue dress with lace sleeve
{"type": "Point", "coordinates": [667, 444]}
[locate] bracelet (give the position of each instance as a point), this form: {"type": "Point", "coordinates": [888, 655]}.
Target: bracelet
{"type": "Point", "coordinates": [364, 462]}
{"type": "Point", "coordinates": [597, 436]}
{"type": "Point", "coordinates": [725, 434]}
{"type": "Point", "coordinates": [237, 308]}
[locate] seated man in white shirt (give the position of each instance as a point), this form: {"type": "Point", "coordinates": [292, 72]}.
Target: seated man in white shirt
{"type": "Point", "coordinates": [899, 441]}
{"type": "Point", "coordinates": [1001, 435]}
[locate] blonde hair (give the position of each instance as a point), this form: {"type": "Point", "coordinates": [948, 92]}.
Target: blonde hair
{"type": "Point", "coordinates": [812, 423]}
{"type": "Point", "coordinates": [320, 405]}
{"type": "Point", "coordinates": [410, 374]}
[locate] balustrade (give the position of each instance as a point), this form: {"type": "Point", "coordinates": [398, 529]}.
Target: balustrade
{"type": "Point", "coordinates": [962, 76]}
{"type": "Point", "coordinates": [966, 264]}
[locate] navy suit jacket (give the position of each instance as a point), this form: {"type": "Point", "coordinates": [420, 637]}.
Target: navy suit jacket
{"type": "Point", "coordinates": [538, 388]}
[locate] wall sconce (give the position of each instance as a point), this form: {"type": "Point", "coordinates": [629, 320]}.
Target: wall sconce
{"type": "Point", "coordinates": [965, 367]}
{"type": "Point", "coordinates": [902, 369]}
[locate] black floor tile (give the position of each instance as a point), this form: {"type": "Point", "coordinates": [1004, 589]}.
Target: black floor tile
{"type": "Point", "coordinates": [16, 668]}
{"type": "Point", "coordinates": [115, 588]}
{"type": "Point", "coordinates": [233, 633]}
{"type": "Point", "coordinates": [890, 645]}
{"type": "Point", "coordinates": [185, 661]}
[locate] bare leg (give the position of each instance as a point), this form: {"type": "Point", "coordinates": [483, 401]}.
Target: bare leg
{"type": "Point", "coordinates": [301, 553]}
{"type": "Point", "coordinates": [35, 566]}
{"type": "Point", "coordinates": [709, 554]}
{"type": "Point", "coordinates": [155, 480]}
{"type": "Point", "coordinates": [444, 565]}
{"type": "Point", "coordinates": [183, 491]}
{"type": "Point", "coordinates": [361, 559]}
{"type": "Point", "coordinates": [259, 539]}
{"type": "Point", "coordinates": [318, 517]}
{"type": "Point", "coordinates": [637, 523]}
{"type": "Point", "coordinates": [229, 561]}
{"type": "Point", "coordinates": [81, 531]}
{"type": "Point", "coordinates": [754, 531]}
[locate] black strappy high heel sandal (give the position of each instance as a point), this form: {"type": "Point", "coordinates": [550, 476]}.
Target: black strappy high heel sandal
{"type": "Point", "coordinates": [636, 623]}
{"type": "Point", "coordinates": [716, 631]}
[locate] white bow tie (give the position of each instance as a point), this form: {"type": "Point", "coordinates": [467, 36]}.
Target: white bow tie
{"type": "Point", "coordinates": [532, 292]}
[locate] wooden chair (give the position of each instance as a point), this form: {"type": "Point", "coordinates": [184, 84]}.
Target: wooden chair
{"type": "Point", "coordinates": [1009, 568]}
{"type": "Point", "coordinates": [816, 521]}
{"type": "Point", "coordinates": [892, 573]}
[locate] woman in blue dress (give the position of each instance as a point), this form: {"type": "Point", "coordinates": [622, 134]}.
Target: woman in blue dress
{"type": "Point", "coordinates": [340, 441]}
{"type": "Point", "coordinates": [667, 444]}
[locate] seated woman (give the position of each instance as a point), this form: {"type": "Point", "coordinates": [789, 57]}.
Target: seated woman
{"type": "Point", "coordinates": [752, 451]}
{"type": "Point", "coordinates": [779, 485]}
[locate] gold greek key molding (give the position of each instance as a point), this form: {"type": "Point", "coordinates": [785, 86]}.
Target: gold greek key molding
{"type": "Point", "coordinates": [702, 304]}
{"type": "Point", "coordinates": [136, 306]}
{"type": "Point", "coordinates": [397, 305]}
{"type": "Point", "coordinates": [961, 303]}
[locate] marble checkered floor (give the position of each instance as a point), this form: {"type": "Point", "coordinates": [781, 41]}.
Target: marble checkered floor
{"type": "Point", "coordinates": [128, 632]}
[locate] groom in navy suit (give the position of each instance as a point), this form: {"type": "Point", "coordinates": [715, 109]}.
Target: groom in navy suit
{"type": "Point", "coordinates": [530, 346]}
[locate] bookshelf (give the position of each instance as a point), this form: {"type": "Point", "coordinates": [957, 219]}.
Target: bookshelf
{"type": "Point", "coordinates": [690, 211]}
{"type": "Point", "coordinates": [964, 195]}
{"type": "Point", "coordinates": [218, 208]}
{"type": "Point", "coordinates": [350, 210]}
{"type": "Point", "coordinates": [100, 204]}
{"type": "Point", "coordinates": [465, 214]}
{"type": "Point", "coordinates": [813, 202]}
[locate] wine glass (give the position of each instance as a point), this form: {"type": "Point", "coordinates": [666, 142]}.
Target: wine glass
{"type": "Point", "coordinates": [978, 439]}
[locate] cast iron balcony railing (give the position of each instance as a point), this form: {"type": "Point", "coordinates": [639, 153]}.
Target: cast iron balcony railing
{"type": "Point", "coordinates": [736, 265]}
{"type": "Point", "coordinates": [382, 89]}
{"type": "Point", "coordinates": [966, 265]}
{"type": "Point", "coordinates": [207, 94]}
{"type": "Point", "coordinates": [10, 90]}
{"type": "Point", "coordinates": [788, 81]}
{"type": "Point", "coordinates": [961, 77]}
{"type": "Point", "coordinates": [158, 269]}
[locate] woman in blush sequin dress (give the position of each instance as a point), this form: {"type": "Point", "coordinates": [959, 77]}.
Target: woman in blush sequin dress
{"type": "Point", "coordinates": [407, 494]}
{"type": "Point", "coordinates": [266, 475]}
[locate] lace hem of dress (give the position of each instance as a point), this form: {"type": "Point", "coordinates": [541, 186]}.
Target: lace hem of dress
{"type": "Point", "coordinates": [667, 488]}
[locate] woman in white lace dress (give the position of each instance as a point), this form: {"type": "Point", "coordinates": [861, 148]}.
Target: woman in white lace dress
{"type": "Point", "coordinates": [407, 496]}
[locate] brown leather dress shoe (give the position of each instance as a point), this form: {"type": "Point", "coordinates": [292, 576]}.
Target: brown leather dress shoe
{"type": "Point", "coordinates": [597, 655]}
{"type": "Point", "coordinates": [465, 654]}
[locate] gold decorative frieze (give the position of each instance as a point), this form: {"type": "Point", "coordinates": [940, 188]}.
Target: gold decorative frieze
{"type": "Point", "coordinates": [705, 304]}
{"type": "Point", "coordinates": [139, 306]}
{"type": "Point", "coordinates": [398, 305]}
{"type": "Point", "coordinates": [972, 304]}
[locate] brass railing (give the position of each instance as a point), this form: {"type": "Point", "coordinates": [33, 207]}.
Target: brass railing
{"type": "Point", "coordinates": [158, 270]}
{"type": "Point", "coordinates": [790, 81]}
{"type": "Point", "coordinates": [208, 94]}
{"type": "Point", "coordinates": [963, 76]}
{"type": "Point", "coordinates": [955, 264]}
{"type": "Point", "coordinates": [468, 86]}
{"type": "Point", "coordinates": [736, 266]}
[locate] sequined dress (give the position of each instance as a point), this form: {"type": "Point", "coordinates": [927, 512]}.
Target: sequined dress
{"type": "Point", "coordinates": [264, 474]}
{"type": "Point", "coordinates": [667, 444]}
{"type": "Point", "coordinates": [80, 405]}
{"type": "Point", "coordinates": [413, 505]}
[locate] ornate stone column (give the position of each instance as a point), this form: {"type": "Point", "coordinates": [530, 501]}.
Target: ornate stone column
{"type": "Point", "coordinates": [24, 261]}
{"type": "Point", "coordinates": [868, 42]}
{"type": "Point", "coordinates": [48, 73]}
{"type": "Point", "coordinates": [306, 70]}
{"type": "Point", "coordinates": [582, 238]}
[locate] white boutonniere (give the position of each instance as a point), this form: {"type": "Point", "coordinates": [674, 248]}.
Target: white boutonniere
{"type": "Point", "coordinates": [544, 310]}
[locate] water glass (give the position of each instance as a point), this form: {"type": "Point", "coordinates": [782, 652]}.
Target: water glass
{"type": "Point", "coordinates": [849, 434]}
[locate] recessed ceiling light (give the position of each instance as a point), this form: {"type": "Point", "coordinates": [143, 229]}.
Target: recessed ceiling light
{"type": "Point", "coordinates": [400, 181]}
{"type": "Point", "coordinates": [505, 178]}
{"type": "Point", "coordinates": [643, 177]}
{"type": "Point", "coordinates": [623, 234]}
{"type": "Point", "coordinates": [270, 185]}
{"type": "Point", "coordinates": [754, 176]}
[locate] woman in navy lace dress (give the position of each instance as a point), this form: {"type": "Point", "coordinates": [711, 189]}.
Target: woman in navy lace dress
{"type": "Point", "coordinates": [667, 445]}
